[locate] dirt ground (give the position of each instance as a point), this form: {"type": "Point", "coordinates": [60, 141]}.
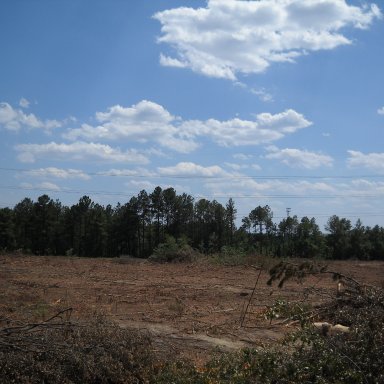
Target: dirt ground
{"type": "Point", "coordinates": [190, 310]}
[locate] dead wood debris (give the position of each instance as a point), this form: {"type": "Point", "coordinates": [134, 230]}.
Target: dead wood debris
{"type": "Point", "coordinates": [27, 337]}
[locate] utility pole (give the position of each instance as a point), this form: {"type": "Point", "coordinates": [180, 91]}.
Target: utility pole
{"type": "Point", "coordinates": [288, 211]}
{"type": "Point", "coordinates": [289, 234]}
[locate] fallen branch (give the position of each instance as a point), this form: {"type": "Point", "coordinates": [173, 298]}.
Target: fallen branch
{"type": "Point", "coordinates": [24, 338]}
{"type": "Point", "coordinates": [31, 326]}
{"type": "Point", "coordinates": [250, 298]}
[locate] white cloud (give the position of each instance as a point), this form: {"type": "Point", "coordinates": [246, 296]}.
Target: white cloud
{"type": "Point", "coordinates": [49, 186]}
{"type": "Point", "coordinates": [236, 167]}
{"type": "Point", "coordinates": [141, 184]}
{"type": "Point", "coordinates": [58, 173]}
{"type": "Point", "coordinates": [171, 62]}
{"type": "Point", "coordinates": [265, 128]}
{"type": "Point", "coordinates": [127, 172]}
{"type": "Point", "coordinates": [278, 190]}
{"type": "Point", "coordinates": [43, 186]}
{"type": "Point", "coordinates": [192, 169]}
{"type": "Point", "coordinates": [373, 161]}
{"type": "Point", "coordinates": [242, 156]}
{"type": "Point", "coordinates": [236, 36]}
{"type": "Point", "coordinates": [262, 94]}
{"type": "Point", "coordinates": [297, 158]}
{"type": "Point", "coordinates": [14, 119]}
{"type": "Point", "coordinates": [24, 103]}
{"type": "Point", "coordinates": [380, 111]}
{"type": "Point", "coordinates": [142, 122]}
{"type": "Point", "coordinates": [257, 167]}
{"type": "Point", "coordinates": [148, 121]}
{"type": "Point", "coordinates": [78, 151]}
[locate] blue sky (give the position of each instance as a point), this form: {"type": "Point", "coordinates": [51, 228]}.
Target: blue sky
{"type": "Point", "coordinates": [277, 102]}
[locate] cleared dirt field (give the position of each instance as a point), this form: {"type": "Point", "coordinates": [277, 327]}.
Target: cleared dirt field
{"type": "Point", "coordinates": [190, 310]}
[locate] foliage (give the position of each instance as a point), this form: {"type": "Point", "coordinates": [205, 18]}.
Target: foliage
{"type": "Point", "coordinates": [287, 310]}
{"type": "Point", "coordinates": [173, 250]}
{"type": "Point", "coordinates": [142, 224]}
{"type": "Point", "coordinates": [230, 256]}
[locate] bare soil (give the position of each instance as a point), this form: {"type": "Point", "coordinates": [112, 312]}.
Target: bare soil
{"type": "Point", "coordinates": [191, 310]}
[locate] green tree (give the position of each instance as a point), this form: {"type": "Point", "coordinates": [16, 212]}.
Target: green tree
{"type": "Point", "coordinates": [145, 215]}
{"type": "Point", "coordinates": [309, 240]}
{"type": "Point", "coordinates": [261, 218]}
{"type": "Point", "coordinates": [360, 244]}
{"type": "Point", "coordinates": [126, 229]}
{"type": "Point", "coordinates": [7, 235]}
{"type": "Point", "coordinates": [288, 228]}
{"type": "Point", "coordinates": [46, 226]}
{"type": "Point", "coordinates": [89, 228]}
{"type": "Point", "coordinates": [183, 216]}
{"type": "Point", "coordinates": [169, 196]}
{"type": "Point", "coordinates": [230, 218]}
{"type": "Point", "coordinates": [217, 226]}
{"type": "Point", "coordinates": [246, 224]}
{"type": "Point", "coordinates": [376, 239]}
{"type": "Point", "coordinates": [23, 221]}
{"type": "Point", "coordinates": [338, 238]}
{"type": "Point", "coordinates": [203, 216]}
{"type": "Point", "coordinates": [261, 221]}
{"type": "Point", "coordinates": [157, 206]}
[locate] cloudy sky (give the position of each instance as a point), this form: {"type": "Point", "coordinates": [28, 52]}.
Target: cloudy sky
{"type": "Point", "coordinates": [277, 102]}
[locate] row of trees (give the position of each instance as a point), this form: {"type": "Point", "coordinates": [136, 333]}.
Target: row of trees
{"type": "Point", "coordinates": [139, 226]}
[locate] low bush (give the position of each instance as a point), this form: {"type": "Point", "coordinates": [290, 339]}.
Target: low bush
{"type": "Point", "coordinates": [174, 250]}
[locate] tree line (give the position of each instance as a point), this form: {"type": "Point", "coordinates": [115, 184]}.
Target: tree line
{"type": "Point", "coordinates": [46, 227]}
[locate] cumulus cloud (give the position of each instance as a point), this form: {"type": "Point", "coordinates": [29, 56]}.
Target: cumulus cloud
{"type": "Point", "coordinates": [192, 169]}
{"type": "Point", "coordinates": [380, 111]}
{"type": "Point", "coordinates": [142, 122]}
{"type": "Point", "coordinates": [372, 161]}
{"type": "Point", "coordinates": [297, 158]}
{"type": "Point", "coordinates": [228, 37]}
{"type": "Point", "coordinates": [149, 121]}
{"type": "Point", "coordinates": [58, 173]}
{"type": "Point", "coordinates": [78, 151]}
{"type": "Point", "coordinates": [265, 128]}
{"type": "Point", "coordinates": [14, 119]}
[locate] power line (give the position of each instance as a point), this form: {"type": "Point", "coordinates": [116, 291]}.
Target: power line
{"type": "Point", "coordinates": [108, 193]}
{"type": "Point", "coordinates": [181, 176]}
{"type": "Point", "coordinates": [216, 196]}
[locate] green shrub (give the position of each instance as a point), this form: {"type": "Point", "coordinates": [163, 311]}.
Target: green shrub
{"type": "Point", "coordinates": [174, 251]}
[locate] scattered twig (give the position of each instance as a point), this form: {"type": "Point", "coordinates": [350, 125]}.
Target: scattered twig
{"type": "Point", "coordinates": [23, 337]}
{"type": "Point", "coordinates": [250, 298]}
{"type": "Point", "coordinates": [31, 326]}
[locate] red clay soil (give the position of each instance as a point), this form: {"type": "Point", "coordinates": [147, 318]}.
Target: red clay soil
{"type": "Point", "coordinates": [189, 309]}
